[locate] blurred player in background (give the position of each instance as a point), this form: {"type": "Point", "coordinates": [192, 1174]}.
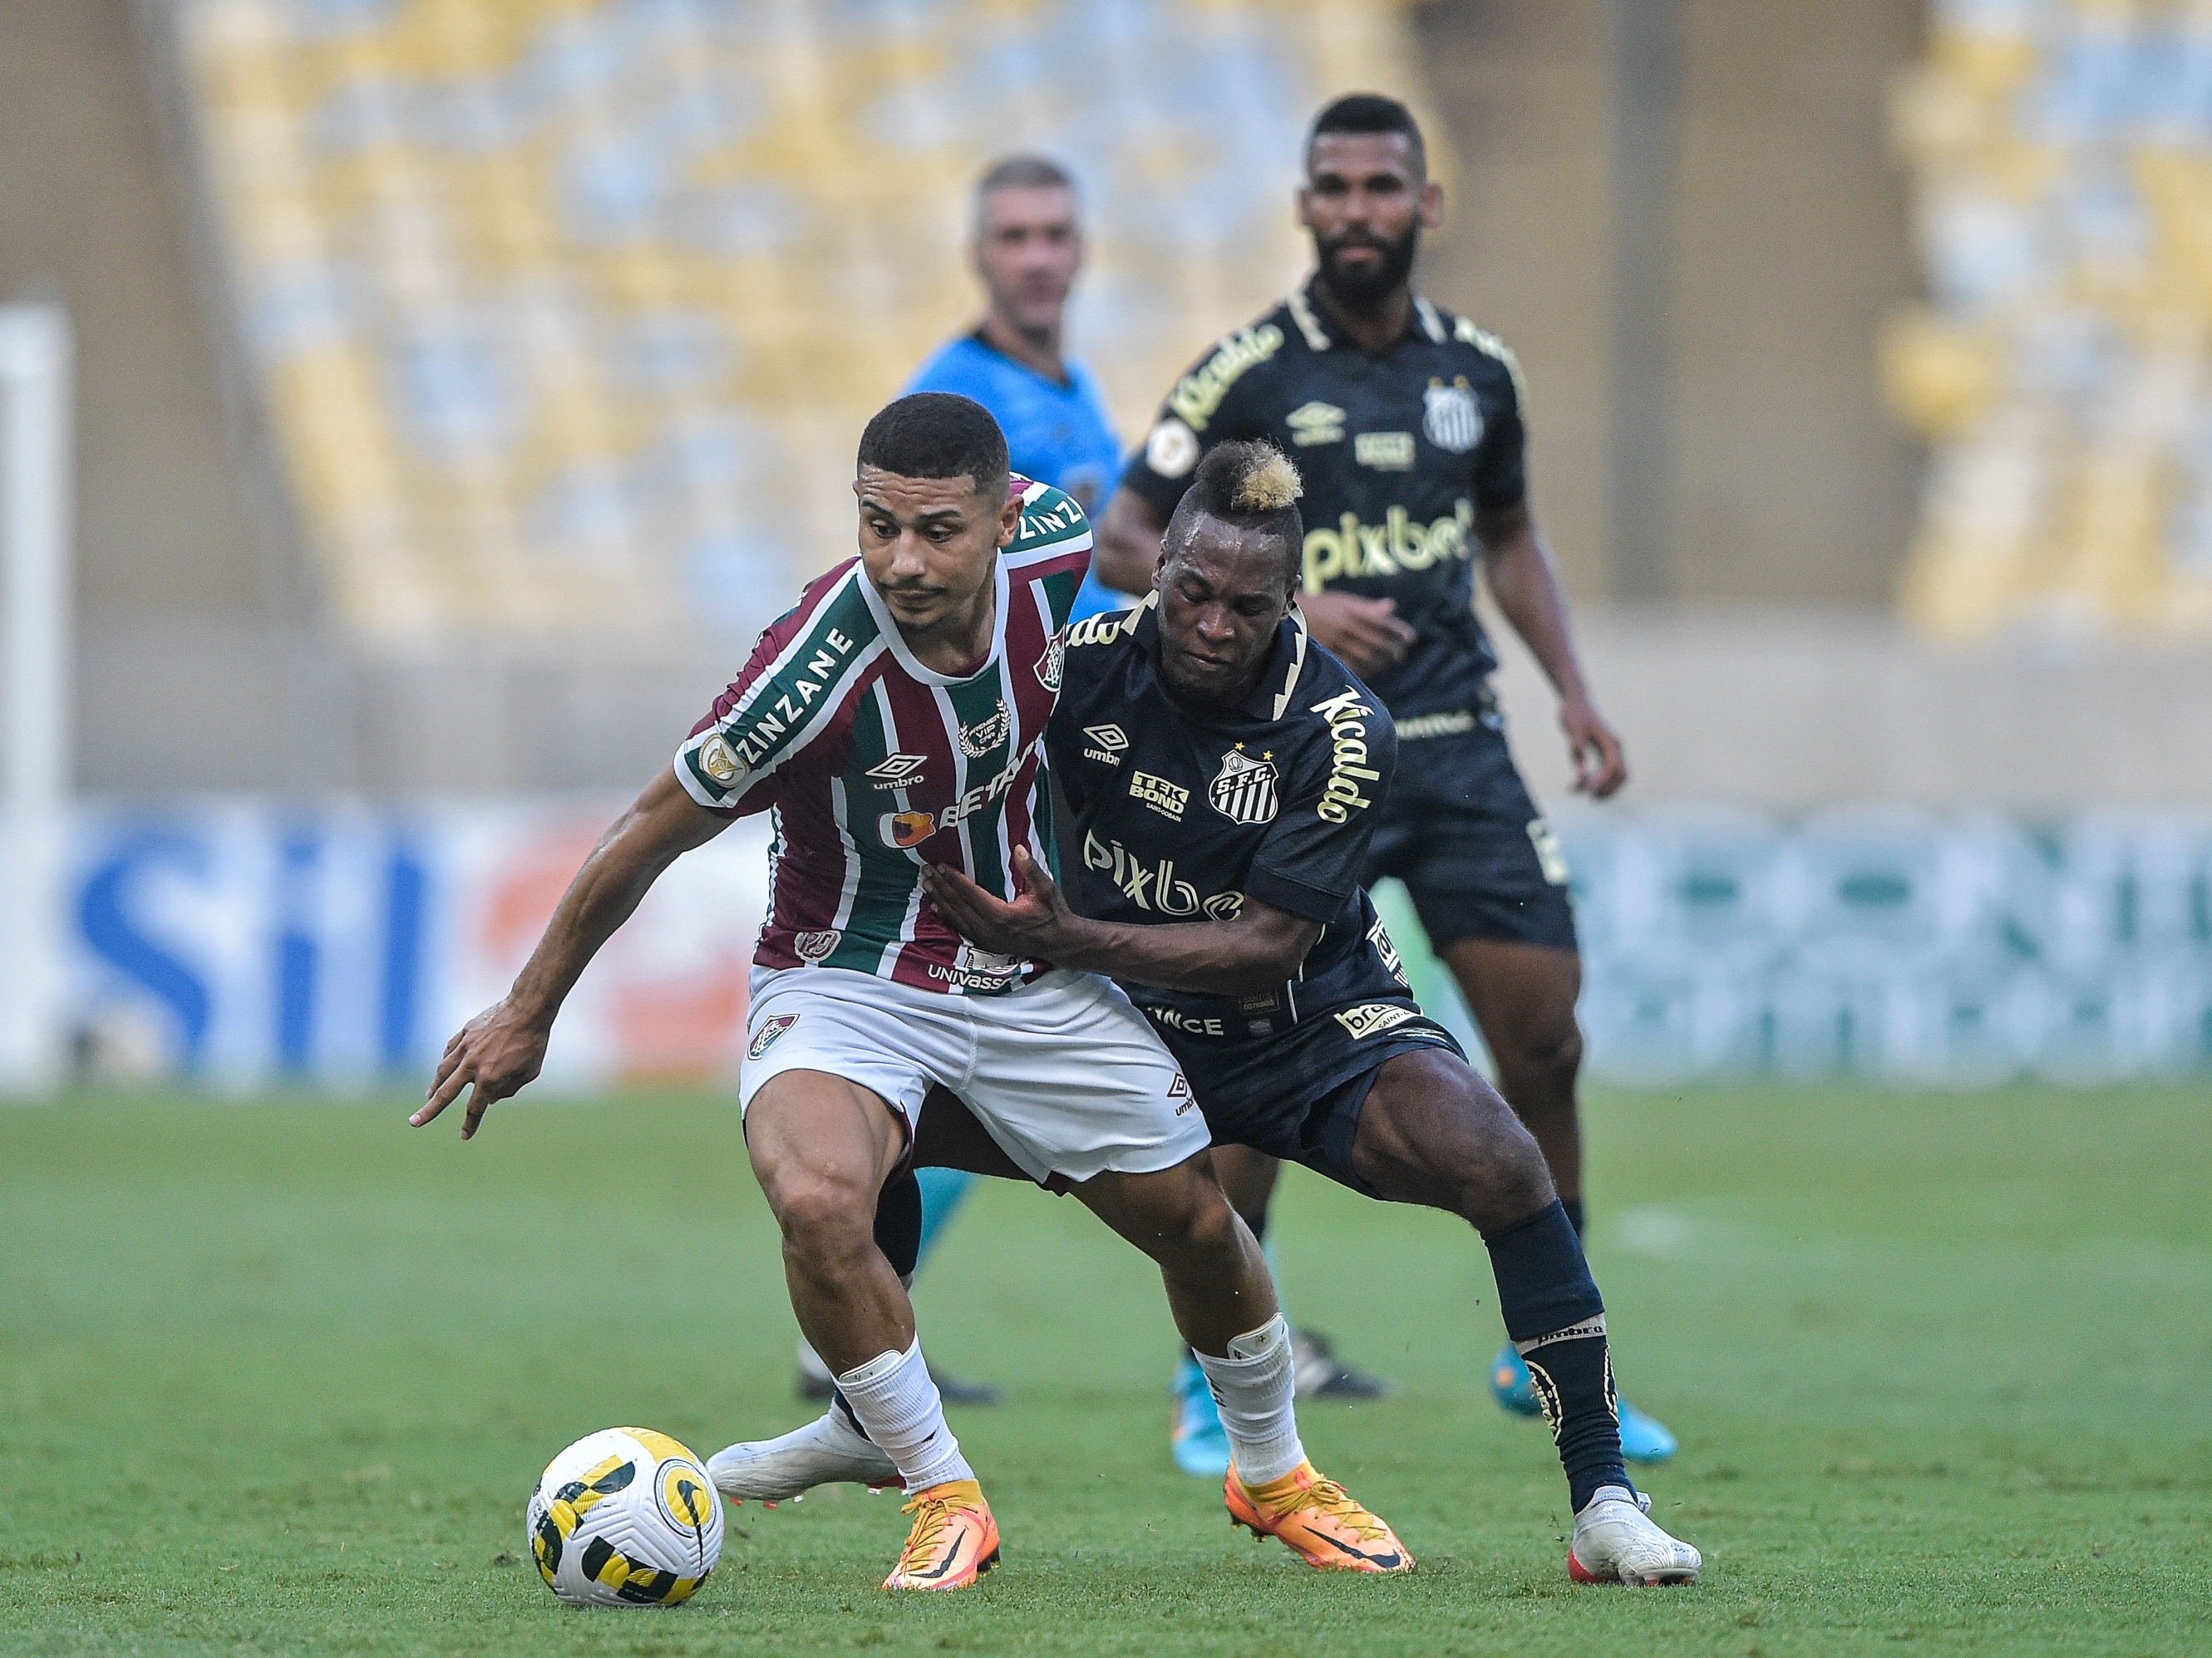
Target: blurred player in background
{"type": "Point", "coordinates": [1407, 423]}
{"type": "Point", "coordinates": [1025, 244]}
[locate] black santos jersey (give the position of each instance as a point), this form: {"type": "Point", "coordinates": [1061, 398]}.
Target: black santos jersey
{"type": "Point", "coordinates": [1401, 454]}
{"type": "Point", "coordinates": [1178, 813]}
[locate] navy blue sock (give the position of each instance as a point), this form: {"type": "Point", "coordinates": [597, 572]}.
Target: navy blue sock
{"type": "Point", "coordinates": [898, 1222]}
{"type": "Point", "coordinates": [1556, 1321]}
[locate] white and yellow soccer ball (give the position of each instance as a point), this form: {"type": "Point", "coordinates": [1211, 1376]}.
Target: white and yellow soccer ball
{"type": "Point", "coordinates": [625, 1517]}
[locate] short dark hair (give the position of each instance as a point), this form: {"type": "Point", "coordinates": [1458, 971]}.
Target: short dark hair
{"type": "Point", "coordinates": [1251, 486]}
{"type": "Point", "coordinates": [938, 435]}
{"type": "Point", "coordinates": [1371, 112]}
{"type": "Point", "coordinates": [1021, 172]}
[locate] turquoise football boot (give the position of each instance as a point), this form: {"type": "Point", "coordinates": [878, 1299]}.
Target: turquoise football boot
{"type": "Point", "coordinates": [1510, 1384]}
{"type": "Point", "coordinates": [1642, 1438]}
{"type": "Point", "coordinates": [1200, 1442]}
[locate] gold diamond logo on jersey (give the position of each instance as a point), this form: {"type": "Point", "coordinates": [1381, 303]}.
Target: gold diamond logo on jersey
{"type": "Point", "coordinates": [813, 947]}
{"type": "Point", "coordinates": [1450, 416]}
{"type": "Point", "coordinates": [1049, 664]}
{"type": "Point", "coordinates": [1315, 422]}
{"type": "Point", "coordinates": [980, 738]}
{"type": "Point", "coordinates": [1243, 791]}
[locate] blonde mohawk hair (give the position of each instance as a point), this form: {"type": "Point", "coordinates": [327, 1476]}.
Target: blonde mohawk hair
{"type": "Point", "coordinates": [1253, 485]}
{"type": "Point", "coordinates": [1267, 481]}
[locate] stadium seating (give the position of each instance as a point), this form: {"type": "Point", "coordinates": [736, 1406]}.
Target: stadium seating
{"type": "Point", "coordinates": [565, 312]}
{"type": "Point", "coordinates": [2062, 158]}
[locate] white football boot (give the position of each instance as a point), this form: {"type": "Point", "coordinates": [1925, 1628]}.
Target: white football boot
{"type": "Point", "coordinates": [825, 1451]}
{"type": "Point", "coordinates": [1616, 1542]}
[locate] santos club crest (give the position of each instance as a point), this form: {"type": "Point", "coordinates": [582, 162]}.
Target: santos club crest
{"type": "Point", "coordinates": [1243, 791]}
{"type": "Point", "coordinates": [1450, 416]}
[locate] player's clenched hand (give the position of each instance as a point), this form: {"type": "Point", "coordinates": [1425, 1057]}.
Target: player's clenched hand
{"type": "Point", "coordinates": [1367, 632]}
{"type": "Point", "coordinates": [499, 1051]}
{"type": "Point", "coordinates": [1038, 925]}
{"type": "Point", "coordinates": [1599, 766]}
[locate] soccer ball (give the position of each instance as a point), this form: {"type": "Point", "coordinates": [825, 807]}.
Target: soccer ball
{"type": "Point", "coordinates": [624, 1517]}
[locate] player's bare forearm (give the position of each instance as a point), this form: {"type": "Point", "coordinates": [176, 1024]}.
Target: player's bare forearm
{"type": "Point", "coordinates": [661, 824]}
{"type": "Point", "coordinates": [499, 1051]}
{"type": "Point", "coordinates": [1257, 951]}
{"type": "Point", "coordinates": [1128, 543]}
{"type": "Point", "coordinates": [1261, 948]}
{"type": "Point", "coordinates": [1526, 585]}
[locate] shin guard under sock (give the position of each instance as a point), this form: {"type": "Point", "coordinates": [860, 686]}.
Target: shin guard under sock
{"type": "Point", "coordinates": [1557, 1322]}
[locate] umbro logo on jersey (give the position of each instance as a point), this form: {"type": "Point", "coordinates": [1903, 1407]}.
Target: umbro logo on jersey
{"type": "Point", "coordinates": [1370, 1017]}
{"type": "Point", "coordinates": [1243, 791]}
{"type": "Point", "coordinates": [900, 771]}
{"type": "Point", "coordinates": [980, 738]}
{"type": "Point", "coordinates": [1315, 422]}
{"type": "Point", "coordinates": [1106, 742]}
{"type": "Point", "coordinates": [769, 1030]}
{"type": "Point", "coordinates": [1162, 797]}
{"type": "Point", "coordinates": [1049, 664]}
{"type": "Point", "coordinates": [1450, 417]}
{"type": "Point", "coordinates": [1179, 1090]}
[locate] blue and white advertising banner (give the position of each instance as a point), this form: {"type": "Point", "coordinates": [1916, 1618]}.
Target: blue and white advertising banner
{"type": "Point", "coordinates": [244, 944]}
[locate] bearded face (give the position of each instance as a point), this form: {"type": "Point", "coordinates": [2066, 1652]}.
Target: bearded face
{"type": "Point", "coordinates": [1360, 266]}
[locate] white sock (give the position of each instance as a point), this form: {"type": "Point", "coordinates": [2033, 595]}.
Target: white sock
{"type": "Point", "coordinates": [897, 1406]}
{"type": "Point", "coordinates": [1255, 1388]}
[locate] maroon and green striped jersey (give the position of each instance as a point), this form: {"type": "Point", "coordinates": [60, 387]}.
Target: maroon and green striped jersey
{"type": "Point", "coordinates": [875, 765]}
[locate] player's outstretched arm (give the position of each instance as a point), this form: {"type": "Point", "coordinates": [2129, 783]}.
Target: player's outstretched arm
{"type": "Point", "coordinates": [1258, 950]}
{"type": "Point", "coordinates": [1527, 588]}
{"type": "Point", "coordinates": [1127, 549]}
{"type": "Point", "coordinates": [501, 1049]}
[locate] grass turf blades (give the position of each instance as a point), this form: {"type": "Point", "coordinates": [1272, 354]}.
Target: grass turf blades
{"type": "Point", "coordinates": [279, 1377]}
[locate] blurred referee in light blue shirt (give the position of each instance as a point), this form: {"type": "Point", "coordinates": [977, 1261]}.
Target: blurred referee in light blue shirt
{"type": "Point", "coordinates": [1025, 246]}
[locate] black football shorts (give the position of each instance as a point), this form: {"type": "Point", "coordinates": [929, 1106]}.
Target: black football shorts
{"type": "Point", "coordinates": [1298, 1096]}
{"type": "Point", "coordinates": [1477, 859]}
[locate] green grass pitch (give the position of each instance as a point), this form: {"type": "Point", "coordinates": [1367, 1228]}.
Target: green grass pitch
{"type": "Point", "coordinates": [278, 1377]}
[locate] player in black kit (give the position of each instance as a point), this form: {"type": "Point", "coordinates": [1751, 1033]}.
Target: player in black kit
{"type": "Point", "coordinates": [1407, 423]}
{"type": "Point", "coordinates": [1221, 772]}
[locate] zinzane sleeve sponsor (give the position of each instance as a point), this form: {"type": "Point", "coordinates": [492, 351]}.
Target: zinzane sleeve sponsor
{"type": "Point", "coordinates": [1311, 859]}
{"type": "Point", "coordinates": [788, 695]}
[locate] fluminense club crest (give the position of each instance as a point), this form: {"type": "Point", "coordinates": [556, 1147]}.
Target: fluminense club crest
{"type": "Point", "coordinates": [1048, 665]}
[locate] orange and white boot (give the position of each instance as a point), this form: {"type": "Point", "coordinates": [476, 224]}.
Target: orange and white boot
{"type": "Point", "coordinates": [1318, 1520]}
{"type": "Point", "coordinates": [954, 1540]}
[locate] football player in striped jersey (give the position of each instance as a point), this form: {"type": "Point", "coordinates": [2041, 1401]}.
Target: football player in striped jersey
{"type": "Point", "coordinates": [894, 720]}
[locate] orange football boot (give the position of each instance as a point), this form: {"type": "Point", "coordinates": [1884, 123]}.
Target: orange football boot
{"type": "Point", "coordinates": [1318, 1520]}
{"type": "Point", "coordinates": [954, 1540]}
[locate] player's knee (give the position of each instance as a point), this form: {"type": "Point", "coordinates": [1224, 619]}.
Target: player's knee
{"type": "Point", "coordinates": [822, 1216]}
{"type": "Point", "coordinates": [1550, 1046]}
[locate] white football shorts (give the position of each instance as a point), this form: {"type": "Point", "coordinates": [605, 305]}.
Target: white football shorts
{"type": "Point", "coordinates": [1064, 1073]}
